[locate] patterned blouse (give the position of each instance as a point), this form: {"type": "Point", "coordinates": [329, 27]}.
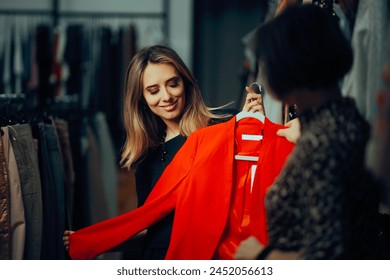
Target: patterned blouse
{"type": "Point", "coordinates": [324, 203]}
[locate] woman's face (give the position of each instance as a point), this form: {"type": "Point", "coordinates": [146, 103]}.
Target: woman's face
{"type": "Point", "coordinates": [163, 90]}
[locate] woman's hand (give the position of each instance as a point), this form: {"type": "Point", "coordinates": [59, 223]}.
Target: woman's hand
{"type": "Point", "coordinates": [253, 102]}
{"type": "Point", "coordinates": [248, 249]}
{"type": "Point", "coordinates": [292, 132]}
{"type": "Point", "coordinates": [67, 234]}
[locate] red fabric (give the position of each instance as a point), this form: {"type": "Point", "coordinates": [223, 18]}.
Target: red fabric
{"type": "Point", "coordinates": [198, 186]}
{"type": "Point", "coordinates": [272, 157]}
{"type": "Point", "coordinates": [238, 226]}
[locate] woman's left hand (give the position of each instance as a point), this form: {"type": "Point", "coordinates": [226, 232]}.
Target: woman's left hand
{"type": "Point", "coordinates": [65, 238]}
{"type": "Point", "coordinates": [249, 249]}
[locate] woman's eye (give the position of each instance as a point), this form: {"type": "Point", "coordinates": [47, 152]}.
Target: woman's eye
{"type": "Point", "coordinates": [174, 84]}
{"type": "Point", "coordinates": [153, 91]}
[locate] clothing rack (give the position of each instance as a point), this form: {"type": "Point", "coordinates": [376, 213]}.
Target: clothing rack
{"type": "Point", "coordinates": [84, 14]}
{"type": "Point", "coordinates": [56, 14]}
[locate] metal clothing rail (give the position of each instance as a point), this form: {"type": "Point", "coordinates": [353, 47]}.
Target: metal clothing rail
{"type": "Point", "coordinates": [55, 14]}
{"type": "Point", "coordinates": [85, 14]}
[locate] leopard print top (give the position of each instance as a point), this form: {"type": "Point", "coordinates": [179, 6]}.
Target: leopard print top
{"type": "Point", "coordinates": [324, 203]}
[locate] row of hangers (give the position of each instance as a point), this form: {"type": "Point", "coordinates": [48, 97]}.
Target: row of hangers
{"type": "Point", "coordinates": [16, 108]}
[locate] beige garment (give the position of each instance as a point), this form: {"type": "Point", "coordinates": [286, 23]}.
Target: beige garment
{"type": "Point", "coordinates": [5, 238]}
{"type": "Point", "coordinates": [17, 218]}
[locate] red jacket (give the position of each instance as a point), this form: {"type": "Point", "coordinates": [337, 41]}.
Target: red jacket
{"type": "Point", "coordinates": [197, 184]}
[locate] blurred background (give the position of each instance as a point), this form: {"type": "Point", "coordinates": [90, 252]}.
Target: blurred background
{"type": "Point", "coordinates": [206, 34]}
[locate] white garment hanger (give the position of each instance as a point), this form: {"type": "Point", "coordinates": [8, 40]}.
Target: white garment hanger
{"type": "Point", "coordinates": [244, 114]}
{"type": "Point", "coordinates": [256, 87]}
{"type": "Point", "coordinates": [247, 158]}
{"type": "Point", "coordinates": [249, 137]}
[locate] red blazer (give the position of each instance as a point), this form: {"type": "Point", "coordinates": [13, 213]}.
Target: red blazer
{"type": "Point", "coordinates": [197, 184]}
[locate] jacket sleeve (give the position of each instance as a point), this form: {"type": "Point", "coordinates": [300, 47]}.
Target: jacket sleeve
{"type": "Point", "coordinates": [96, 239]}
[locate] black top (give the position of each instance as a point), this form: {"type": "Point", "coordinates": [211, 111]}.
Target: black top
{"type": "Point", "coordinates": [147, 175]}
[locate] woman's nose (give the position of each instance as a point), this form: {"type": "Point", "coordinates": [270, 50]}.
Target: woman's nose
{"type": "Point", "coordinates": [165, 93]}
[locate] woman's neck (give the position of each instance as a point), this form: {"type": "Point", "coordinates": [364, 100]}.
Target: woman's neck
{"type": "Point", "coordinates": [171, 131]}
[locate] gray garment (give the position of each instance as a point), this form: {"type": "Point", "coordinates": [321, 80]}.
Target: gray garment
{"type": "Point", "coordinates": [96, 191]}
{"type": "Point", "coordinates": [30, 180]}
{"type": "Point", "coordinates": [17, 219]}
{"type": "Point", "coordinates": [368, 43]}
{"type": "Point", "coordinates": [108, 162]}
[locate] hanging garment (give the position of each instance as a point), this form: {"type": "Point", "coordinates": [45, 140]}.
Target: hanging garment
{"type": "Point", "coordinates": [65, 150]}
{"type": "Point", "coordinates": [108, 163]}
{"type": "Point", "coordinates": [30, 181]}
{"type": "Point", "coordinates": [5, 231]}
{"type": "Point", "coordinates": [198, 185]}
{"type": "Point", "coordinates": [17, 216]}
{"type": "Point", "coordinates": [363, 81]}
{"type": "Point", "coordinates": [53, 194]}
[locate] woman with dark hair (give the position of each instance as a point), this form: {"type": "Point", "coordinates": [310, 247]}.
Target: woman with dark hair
{"type": "Point", "coordinates": [324, 204]}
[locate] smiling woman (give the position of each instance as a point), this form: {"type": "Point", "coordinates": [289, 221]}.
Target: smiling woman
{"type": "Point", "coordinates": [162, 106]}
{"type": "Point", "coordinates": [164, 95]}
{"type": "Point", "coordinates": [161, 98]}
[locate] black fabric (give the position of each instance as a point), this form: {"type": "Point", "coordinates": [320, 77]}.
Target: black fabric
{"type": "Point", "coordinates": [384, 220]}
{"type": "Point", "coordinates": [45, 60]}
{"type": "Point", "coordinates": [73, 56]}
{"type": "Point", "coordinates": [147, 175]}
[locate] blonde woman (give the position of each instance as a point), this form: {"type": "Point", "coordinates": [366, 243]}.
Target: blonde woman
{"type": "Point", "coordinates": [162, 106]}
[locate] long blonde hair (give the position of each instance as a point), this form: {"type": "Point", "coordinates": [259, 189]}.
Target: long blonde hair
{"type": "Point", "coordinates": [143, 128]}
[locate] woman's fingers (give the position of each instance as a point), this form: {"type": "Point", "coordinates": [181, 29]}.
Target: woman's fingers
{"type": "Point", "coordinates": [253, 102]}
{"type": "Point", "coordinates": [65, 238]}
{"type": "Point", "coordinates": [292, 132]}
